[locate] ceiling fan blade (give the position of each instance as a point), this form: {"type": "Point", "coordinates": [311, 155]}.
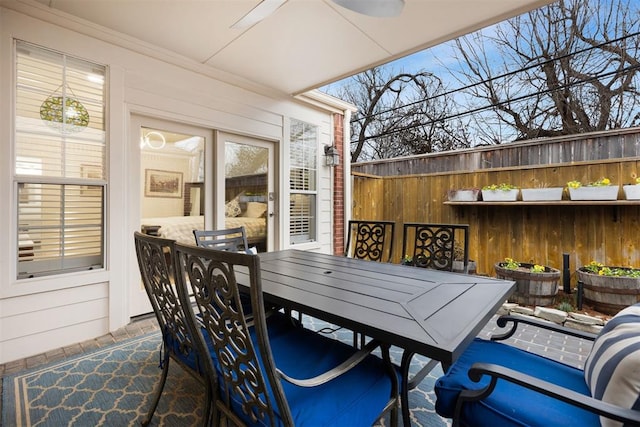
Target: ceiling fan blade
{"type": "Point", "coordinates": [377, 8]}
{"type": "Point", "coordinates": [258, 13]}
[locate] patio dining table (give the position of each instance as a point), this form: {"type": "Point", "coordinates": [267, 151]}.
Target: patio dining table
{"type": "Point", "coordinates": [428, 312]}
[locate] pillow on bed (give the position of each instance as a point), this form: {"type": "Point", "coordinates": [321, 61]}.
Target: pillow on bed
{"type": "Point", "coordinates": [612, 370]}
{"type": "Point", "coordinates": [232, 208]}
{"type": "Point", "coordinates": [255, 209]}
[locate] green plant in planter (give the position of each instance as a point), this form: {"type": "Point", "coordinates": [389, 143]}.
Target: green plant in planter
{"type": "Point", "coordinates": [499, 187]}
{"type": "Point", "coordinates": [537, 268]}
{"type": "Point", "coordinates": [602, 182]}
{"type": "Point", "coordinates": [511, 264]}
{"type": "Point", "coordinates": [602, 270]}
{"type": "Point", "coordinates": [636, 179]}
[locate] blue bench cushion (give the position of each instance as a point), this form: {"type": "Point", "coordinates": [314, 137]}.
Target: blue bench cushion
{"type": "Point", "coordinates": [352, 399]}
{"type": "Point", "coordinates": [510, 404]}
{"type": "Point", "coordinates": [612, 369]}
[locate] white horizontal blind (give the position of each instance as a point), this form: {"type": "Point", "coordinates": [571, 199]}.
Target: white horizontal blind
{"type": "Point", "coordinates": [303, 181]}
{"type": "Point", "coordinates": [60, 172]}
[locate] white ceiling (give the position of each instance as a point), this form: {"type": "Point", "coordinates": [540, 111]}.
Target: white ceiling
{"type": "Point", "coordinates": [303, 45]}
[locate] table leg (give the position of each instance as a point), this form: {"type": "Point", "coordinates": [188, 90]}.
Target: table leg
{"type": "Point", "coordinates": [411, 384]}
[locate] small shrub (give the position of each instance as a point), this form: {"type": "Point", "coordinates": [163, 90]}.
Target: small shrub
{"type": "Point", "coordinates": [565, 306]}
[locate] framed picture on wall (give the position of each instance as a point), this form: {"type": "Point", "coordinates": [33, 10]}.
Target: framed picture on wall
{"type": "Point", "coordinates": [159, 183]}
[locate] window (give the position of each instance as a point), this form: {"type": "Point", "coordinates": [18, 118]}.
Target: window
{"type": "Point", "coordinates": [302, 179]}
{"type": "Point", "coordinates": [59, 171]}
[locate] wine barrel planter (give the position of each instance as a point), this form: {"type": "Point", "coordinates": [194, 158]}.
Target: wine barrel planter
{"type": "Point", "coordinates": [609, 294]}
{"type": "Point", "coordinates": [537, 289]}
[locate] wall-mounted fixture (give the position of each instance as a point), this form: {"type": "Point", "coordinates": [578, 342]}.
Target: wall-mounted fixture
{"type": "Point", "coordinates": [331, 156]}
{"type": "Point", "coordinates": [153, 139]}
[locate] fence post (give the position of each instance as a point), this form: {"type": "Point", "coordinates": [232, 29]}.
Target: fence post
{"type": "Point", "coordinates": [566, 274]}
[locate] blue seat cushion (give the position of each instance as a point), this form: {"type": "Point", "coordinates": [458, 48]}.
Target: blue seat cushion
{"type": "Point", "coordinates": [510, 404]}
{"type": "Point", "coordinates": [355, 398]}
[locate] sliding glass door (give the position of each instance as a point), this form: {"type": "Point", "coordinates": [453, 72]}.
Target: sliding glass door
{"type": "Point", "coordinates": [171, 187]}
{"type": "Point", "coordinates": [246, 183]}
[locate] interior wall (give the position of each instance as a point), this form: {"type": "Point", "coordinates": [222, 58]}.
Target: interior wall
{"type": "Point", "coordinates": [163, 206]}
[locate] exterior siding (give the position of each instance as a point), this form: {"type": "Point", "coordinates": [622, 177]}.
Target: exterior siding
{"type": "Point", "coordinates": [37, 315]}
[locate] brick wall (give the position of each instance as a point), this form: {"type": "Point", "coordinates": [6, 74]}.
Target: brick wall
{"type": "Point", "coordinates": [338, 187]}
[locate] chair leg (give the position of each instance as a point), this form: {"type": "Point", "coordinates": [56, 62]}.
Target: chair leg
{"type": "Point", "coordinates": [211, 417]}
{"type": "Point", "coordinates": [159, 388]}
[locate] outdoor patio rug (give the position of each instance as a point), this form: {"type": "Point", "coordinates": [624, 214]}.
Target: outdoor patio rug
{"type": "Point", "coordinates": [112, 386]}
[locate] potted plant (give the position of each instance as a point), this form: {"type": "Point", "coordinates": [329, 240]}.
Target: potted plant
{"type": "Point", "coordinates": [463, 195]}
{"type": "Point", "coordinates": [458, 261]}
{"type": "Point", "coordinates": [500, 193]}
{"type": "Point", "coordinates": [609, 289]}
{"type": "Point", "coordinates": [541, 191]}
{"type": "Point", "coordinates": [597, 190]}
{"type": "Point", "coordinates": [536, 284]}
{"type": "Point", "coordinates": [632, 191]}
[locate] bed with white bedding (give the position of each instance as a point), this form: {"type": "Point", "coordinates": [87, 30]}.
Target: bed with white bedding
{"type": "Point", "coordinates": [180, 228]}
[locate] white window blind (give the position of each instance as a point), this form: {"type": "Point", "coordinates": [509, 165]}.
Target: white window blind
{"type": "Point", "coordinates": [303, 182]}
{"type": "Point", "coordinates": [60, 172]}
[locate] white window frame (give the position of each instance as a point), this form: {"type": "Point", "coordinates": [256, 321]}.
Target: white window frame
{"type": "Point", "coordinates": [309, 162]}
{"type": "Point", "coordinates": [59, 181]}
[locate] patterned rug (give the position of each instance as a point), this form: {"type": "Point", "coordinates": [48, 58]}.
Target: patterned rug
{"type": "Point", "coordinates": [112, 387]}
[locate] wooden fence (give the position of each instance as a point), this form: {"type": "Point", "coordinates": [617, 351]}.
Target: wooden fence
{"type": "Point", "coordinates": [528, 233]}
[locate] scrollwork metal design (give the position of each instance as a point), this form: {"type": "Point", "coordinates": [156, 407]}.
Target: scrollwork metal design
{"type": "Point", "coordinates": [369, 241]}
{"type": "Point", "coordinates": [217, 298]}
{"type": "Point", "coordinates": [157, 275]}
{"type": "Point", "coordinates": [433, 247]}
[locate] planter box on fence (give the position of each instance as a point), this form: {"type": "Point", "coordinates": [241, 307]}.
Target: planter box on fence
{"type": "Point", "coordinates": [631, 192]}
{"type": "Point", "coordinates": [463, 195]}
{"type": "Point", "coordinates": [540, 194]}
{"type": "Point", "coordinates": [531, 288]}
{"type": "Point", "coordinates": [608, 192]}
{"type": "Point", "coordinates": [500, 195]}
{"type": "Point", "coordinates": [609, 294]}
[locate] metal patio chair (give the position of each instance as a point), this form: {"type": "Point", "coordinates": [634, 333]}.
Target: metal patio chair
{"type": "Point", "coordinates": [276, 374]}
{"type": "Point", "coordinates": [431, 245]}
{"type": "Point", "coordinates": [436, 245]}
{"type": "Point", "coordinates": [494, 383]}
{"type": "Point", "coordinates": [370, 240]}
{"type": "Point", "coordinates": [225, 239]}
{"type": "Point", "coordinates": [155, 260]}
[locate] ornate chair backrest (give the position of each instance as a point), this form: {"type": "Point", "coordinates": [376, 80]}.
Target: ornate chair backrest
{"type": "Point", "coordinates": [370, 240]}
{"type": "Point", "coordinates": [155, 260]}
{"type": "Point", "coordinates": [436, 245]}
{"type": "Point", "coordinates": [228, 239]}
{"type": "Point", "coordinates": [246, 375]}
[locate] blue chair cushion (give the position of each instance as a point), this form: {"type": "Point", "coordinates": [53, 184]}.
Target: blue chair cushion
{"type": "Point", "coordinates": [187, 355]}
{"type": "Point", "coordinates": [510, 404]}
{"type": "Point", "coordinates": [355, 398]}
{"type": "Point", "coordinates": [612, 369]}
